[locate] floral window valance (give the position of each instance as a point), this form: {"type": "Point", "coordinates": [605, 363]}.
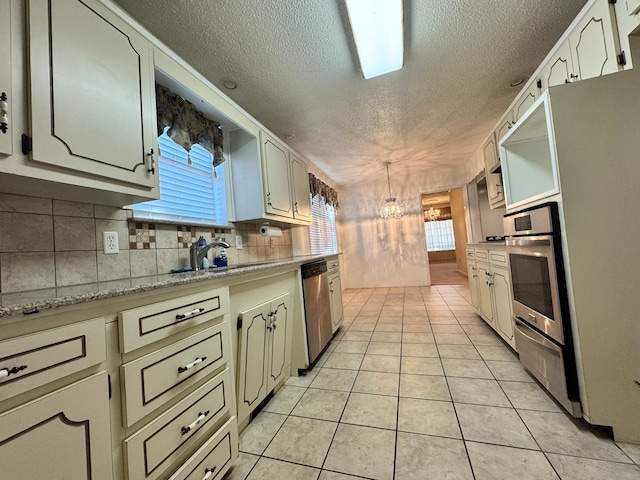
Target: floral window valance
{"type": "Point", "coordinates": [318, 187]}
{"type": "Point", "coordinates": [187, 126]}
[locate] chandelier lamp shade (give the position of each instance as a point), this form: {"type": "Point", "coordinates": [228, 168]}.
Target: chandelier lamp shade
{"type": "Point", "coordinates": [432, 214]}
{"type": "Point", "coordinates": [391, 207]}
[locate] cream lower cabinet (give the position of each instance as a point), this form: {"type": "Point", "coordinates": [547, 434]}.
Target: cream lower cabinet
{"type": "Point", "coordinates": [262, 351]}
{"type": "Point", "coordinates": [335, 294]}
{"type": "Point", "coordinates": [490, 286]}
{"type": "Point", "coordinates": [6, 94]}
{"type": "Point", "coordinates": [65, 434]}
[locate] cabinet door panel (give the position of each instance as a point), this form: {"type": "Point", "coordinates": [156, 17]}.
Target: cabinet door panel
{"type": "Point", "coordinates": [559, 69]}
{"type": "Point", "coordinates": [633, 6]}
{"type": "Point", "coordinates": [301, 198]}
{"type": "Point", "coordinates": [276, 178]}
{"type": "Point", "coordinates": [490, 152]}
{"type": "Point", "coordinates": [337, 311]}
{"type": "Point", "coordinates": [252, 343]}
{"type": "Point", "coordinates": [65, 434]}
{"type": "Point", "coordinates": [486, 304]}
{"type": "Point", "coordinates": [473, 285]}
{"type": "Point", "coordinates": [91, 91]}
{"type": "Point", "coordinates": [503, 308]}
{"type": "Point", "coordinates": [526, 100]}
{"type": "Point", "coordinates": [281, 316]}
{"type": "Point", "coordinates": [593, 43]}
{"type": "Point", "coordinates": [6, 143]}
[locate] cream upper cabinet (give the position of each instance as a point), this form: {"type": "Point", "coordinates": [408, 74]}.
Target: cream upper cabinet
{"type": "Point", "coordinates": [300, 184]}
{"type": "Point", "coordinates": [490, 152]}
{"type": "Point", "coordinates": [65, 434]}
{"type": "Point", "coordinates": [92, 92]}
{"type": "Point", "coordinates": [6, 94]}
{"type": "Point", "coordinates": [503, 126]}
{"type": "Point", "coordinates": [277, 184]}
{"type": "Point", "coordinates": [525, 100]}
{"type": "Point", "coordinates": [559, 69]}
{"type": "Point", "coordinates": [594, 43]}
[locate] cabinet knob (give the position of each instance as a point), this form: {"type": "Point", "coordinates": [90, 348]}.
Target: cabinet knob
{"type": "Point", "coordinates": [152, 162]}
{"type": "Point", "coordinates": [182, 316]}
{"type": "Point", "coordinates": [5, 372]}
{"type": "Point", "coordinates": [208, 473]}
{"type": "Point", "coordinates": [191, 365]}
{"type": "Point", "coordinates": [192, 425]}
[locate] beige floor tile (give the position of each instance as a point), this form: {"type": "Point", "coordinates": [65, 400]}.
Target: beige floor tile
{"type": "Point", "coordinates": [419, 350]}
{"type": "Point", "coordinates": [429, 417]}
{"type": "Point", "coordinates": [511, 371]}
{"type": "Point", "coordinates": [499, 426]}
{"type": "Point", "coordinates": [334, 379]}
{"type": "Point", "coordinates": [455, 367]}
{"type": "Point", "coordinates": [440, 319]}
{"type": "Point", "coordinates": [479, 329]}
{"type": "Point", "coordinates": [557, 433]}
{"type": "Point", "coordinates": [470, 319]}
{"type": "Point", "coordinates": [383, 348]}
{"type": "Point", "coordinates": [362, 327]}
{"type": "Point", "coordinates": [427, 387]}
{"type": "Point", "coordinates": [371, 411]}
{"type": "Point", "coordinates": [284, 400]}
{"type": "Point", "coordinates": [363, 451]}
{"type": "Point", "coordinates": [381, 363]}
{"type": "Point", "coordinates": [321, 404]}
{"type": "Point", "coordinates": [416, 320]}
{"type": "Point", "coordinates": [346, 361]}
{"type": "Point", "coordinates": [242, 466]}
{"type": "Point", "coordinates": [494, 462]}
{"type": "Point", "coordinates": [390, 319]}
{"type": "Point", "coordinates": [394, 337]}
{"type": "Point", "coordinates": [416, 328]}
{"type": "Point", "coordinates": [414, 337]}
{"type": "Point", "coordinates": [632, 450]}
{"type": "Point", "coordinates": [326, 475]}
{"type": "Point", "coordinates": [268, 469]}
{"type": "Point", "coordinates": [389, 327]}
{"type": "Point", "coordinates": [421, 366]}
{"type": "Point", "coordinates": [255, 438]}
{"type": "Point", "coordinates": [357, 336]}
{"type": "Point", "coordinates": [346, 346]}
{"type": "Point", "coordinates": [452, 339]}
{"type": "Point", "coordinates": [304, 379]}
{"type": "Point", "coordinates": [467, 352]}
{"type": "Point", "coordinates": [421, 457]}
{"type": "Point", "coordinates": [575, 468]}
{"type": "Point", "coordinates": [302, 440]}
{"type": "Point", "coordinates": [485, 339]}
{"type": "Point", "coordinates": [447, 328]}
{"type": "Point", "coordinates": [529, 396]}
{"type": "Point", "coordinates": [378, 383]}
{"type": "Point", "coordinates": [477, 391]}
{"type": "Point", "coordinates": [503, 354]}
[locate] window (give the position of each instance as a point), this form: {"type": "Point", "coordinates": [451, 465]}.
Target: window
{"type": "Point", "coordinates": [440, 235]}
{"type": "Point", "coordinates": [322, 231]}
{"type": "Point", "coordinates": [190, 192]}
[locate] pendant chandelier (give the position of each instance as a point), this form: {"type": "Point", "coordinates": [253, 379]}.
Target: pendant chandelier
{"type": "Point", "coordinates": [432, 214]}
{"type": "Point", "coordinates": [391, 207]}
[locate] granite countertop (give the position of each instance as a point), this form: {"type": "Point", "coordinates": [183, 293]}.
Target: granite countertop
{"type": "Point", "coordinates": [35, 301]}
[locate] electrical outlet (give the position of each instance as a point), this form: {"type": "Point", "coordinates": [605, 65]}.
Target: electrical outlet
{"type": "Point", "coordinates": [238, 242]}
{"type": "Point", "coordinates": [110, 242]}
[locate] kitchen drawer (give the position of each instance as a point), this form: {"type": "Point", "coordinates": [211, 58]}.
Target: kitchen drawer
{"type": "Point", "coordinates": [482, 254]}
{"type": "Point", "coordinates": [150, 323]}
{"type": "Point", "coordinates": [214, 458]}
{"type": "Point", "coordinates": [498, 257]}
{"type": "Point", "coordinates": [471, 253]}
{"type": "Point", "coordinates": [46, 356]}
{"type": "Point", "coordinates": [151, 450]}
{"type": "Point", "coordinates": [333, 266]}
{"type": "Point", "coordinates": [156, 378]}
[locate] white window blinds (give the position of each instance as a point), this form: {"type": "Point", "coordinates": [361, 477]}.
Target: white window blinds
{"type": "Point", "coordinates": [440, 235]}
{"type": "Point", "coordinates": [322, 232]}
{"type": "Point", "coordinates": [189, 191]}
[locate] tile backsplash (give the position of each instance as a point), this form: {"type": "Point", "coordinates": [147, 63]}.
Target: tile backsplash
{"type": "Point", "coordinates": [47, 244]}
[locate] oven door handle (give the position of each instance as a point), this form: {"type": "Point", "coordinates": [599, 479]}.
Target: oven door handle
{"type": "Point", "coordinates": [520, 323]}
{"type": "Point", "coordinates": [528, 241]}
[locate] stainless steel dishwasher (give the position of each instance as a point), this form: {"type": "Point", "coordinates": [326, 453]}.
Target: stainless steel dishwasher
{"type": "Point", "coordinates": [317, 307]}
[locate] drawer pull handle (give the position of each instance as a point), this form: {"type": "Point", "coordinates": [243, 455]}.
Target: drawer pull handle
{"type": "Point", "coordinates": [5, 372]}
{"type": "Point", "coordinates": [208, 473]}
{"type": "Point", "coordinates": [182, 316]}
{"type": "Point", "coordinates": [637, 383]}
{"type": "Point", "coordinates": [201, 416]}
{"type": "Point", "coordinates": [191, 365]}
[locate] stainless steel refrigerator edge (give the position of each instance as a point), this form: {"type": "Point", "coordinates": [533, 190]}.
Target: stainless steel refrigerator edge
{"type": "Point", "coordinates": [317, 307]}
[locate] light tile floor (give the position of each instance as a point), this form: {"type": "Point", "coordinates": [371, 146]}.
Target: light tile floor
{"type": "Point", "coordinates": [416, 386]}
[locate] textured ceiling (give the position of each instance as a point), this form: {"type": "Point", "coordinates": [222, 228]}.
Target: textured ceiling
{"type": "Point", "coordinates": [297, 73]}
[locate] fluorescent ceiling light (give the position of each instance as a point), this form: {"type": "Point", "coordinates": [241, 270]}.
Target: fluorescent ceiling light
{"type": "Point", "coordinates": [378, 33]}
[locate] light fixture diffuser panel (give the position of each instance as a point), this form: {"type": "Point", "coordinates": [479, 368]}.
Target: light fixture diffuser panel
{"type": "Point", "coordinates": [377, 27]}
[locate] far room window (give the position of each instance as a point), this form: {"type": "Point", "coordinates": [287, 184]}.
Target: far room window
{"type": "Point", "coordinates": [440, 235]}
{"type": "Point", "coordinates": [190, 191]}
{"type": "Point", "coordinates": [322, 232]}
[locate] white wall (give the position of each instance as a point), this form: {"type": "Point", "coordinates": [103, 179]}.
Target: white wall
{"type": "Point", "coordinates": [385, 253]}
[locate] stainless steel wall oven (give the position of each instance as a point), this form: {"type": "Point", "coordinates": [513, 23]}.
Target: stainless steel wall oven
{"type": "Point", "coordinates": [540, 305]}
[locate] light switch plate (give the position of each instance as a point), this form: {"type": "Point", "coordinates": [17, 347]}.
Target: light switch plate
{"type": "Point", "coordinates": [110, 242]}
{"type": "Point", "coordinates": [239, 242]}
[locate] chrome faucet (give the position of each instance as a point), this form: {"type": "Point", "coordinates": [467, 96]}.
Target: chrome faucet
{"type": "Point", "coordinates": [196, 254]}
